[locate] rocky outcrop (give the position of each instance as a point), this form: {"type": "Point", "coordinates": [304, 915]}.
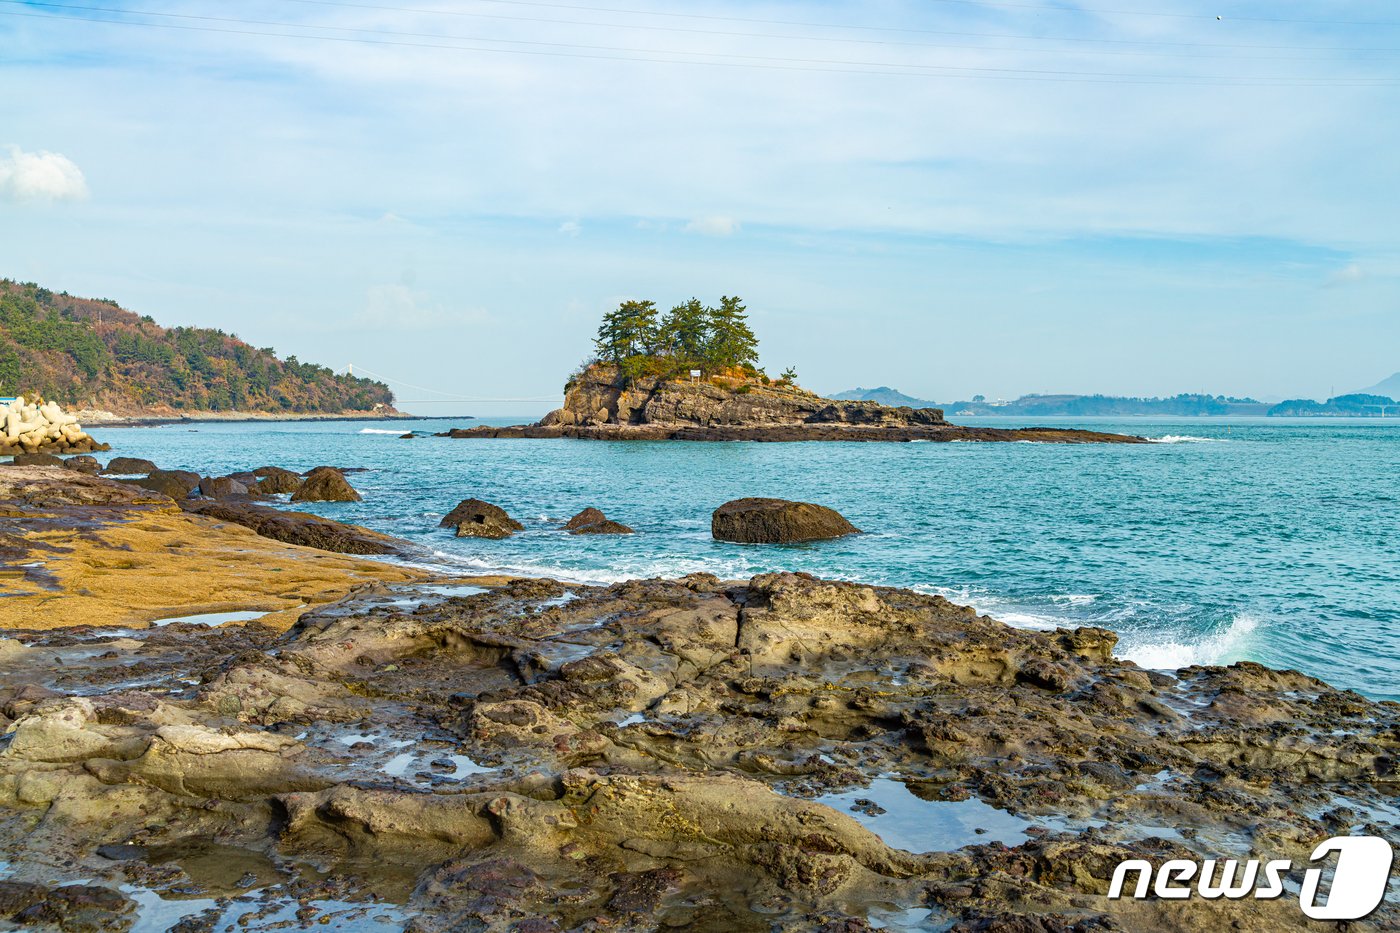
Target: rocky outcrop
{"type": "Point", "coordinates": [592, 521]}
{"type": "Point", "coordinates": [273, 480]}
{"type": "Point", "coordinates": [671, 754]}
{"type": "Point", "coordinates": [83, 464]}
{"type": "Point", "coordinates": [128, 466]}
{"type": "Point", "coordinates": [474, 518]}
{"type": "Point", "coordinates": [296, 527]}
{"type": "Point", "coordinates": [777, 521]}
{"type": "Point", "coordinates": [600, 405]}
{"type": "Point", "coordinates": [221, 487]}
{"type": "Point", "coordinates": [177, 484]}
{"type": "Point", "coordinates": [325, 484]}
{"type": "Point", "coordinates": [30, 426]}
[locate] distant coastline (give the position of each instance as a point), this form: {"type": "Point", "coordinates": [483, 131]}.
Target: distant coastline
{"type": "Point", "coordinates": [1355, 405]}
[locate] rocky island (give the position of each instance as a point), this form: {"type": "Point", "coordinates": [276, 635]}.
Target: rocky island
{"type": "Point", "coordinates": [692, 375]}
{"type": "Point", "coordinates": [368, 746]}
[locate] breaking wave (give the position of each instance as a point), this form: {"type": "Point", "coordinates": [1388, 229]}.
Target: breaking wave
{"type": "Point", "coordinates": [1214, 648]}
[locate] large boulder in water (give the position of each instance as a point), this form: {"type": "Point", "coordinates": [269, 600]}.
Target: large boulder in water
{"type": "Point", "coordinates": [83, 464]}
{"type": "Point", "coordinates": [777, 521]}
{"type": "Point", "coordinates": [177, 484]}
{"type": "Point", "coordinates": [325, 484]}
{"type": "Point", "coordinates": [474, 518]}
{"type": "Point", "coordinates": [592, 521]}
{"type": "Point", "coordinates": [129, 466]}
{"type": "Point", "coordinates": [273, 480]}
{"type": "Point", "coordinates": [36, 460]}
{"type": "Point", "coordinates": [221, 487]}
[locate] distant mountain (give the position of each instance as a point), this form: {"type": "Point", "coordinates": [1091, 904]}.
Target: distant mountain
{"type": "Point", "coordinates": [1387, 387]}
{"type": "Point", "coordinates": [884, 395]}
{"type": "Point", "coordinates": [87, 353]}
{"type": "Point", "coordinates": [1356, 405]}
{"type": "Point", "coordinates": [1071, 405]}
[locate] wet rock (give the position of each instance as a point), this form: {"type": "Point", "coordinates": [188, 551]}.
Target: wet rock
{"type": "Point", "coordinates": [129, 465]}
{"type": "Point", "coordinates": [588, 516]}
{"type": "Point", "coordinates": [474, 518]}
{"type": "Point", "coordinates": [36, 460]}
{"type": "Point", "coordinates": [83, 463]}
{"type": "Point", "coordinates": [273, 480]}
{"type": "Point", "coordinates": [408, 436]}
{"type": "Point", "coordinates": [592, 521]}
{"type": "Point", "coordinates": [221, 487]}
{"type": "Point", "coordinates": [296, 527]}
{"type": "Point", "coordinates": [605, 527]}
{"type": "Point", "coordinates": [325, 484]}
{"type": "Point", "coordinates": [177, 484]}
{"type": "Point", "coordinates": [78, 908]}
{"type": "Point", "coordinates": [777, 521]}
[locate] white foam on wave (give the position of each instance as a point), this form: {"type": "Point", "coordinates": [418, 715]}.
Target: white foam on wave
{"type": "Point", "coordinates": [379, 431]}
{"type": "Point", "coordinates": [1215, 648]}
{"type": "Point", "coordinates": [1185, 439]}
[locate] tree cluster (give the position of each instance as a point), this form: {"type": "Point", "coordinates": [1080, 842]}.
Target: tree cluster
{"type": "Point", "coordinates": [644, 342]}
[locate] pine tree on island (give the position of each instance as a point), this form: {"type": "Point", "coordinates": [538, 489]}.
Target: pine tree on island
{"type": "Point", "coordinates": [642, 342]}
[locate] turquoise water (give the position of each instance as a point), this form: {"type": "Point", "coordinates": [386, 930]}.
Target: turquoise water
{"type": "Point", "coordinates": [1262, 539]}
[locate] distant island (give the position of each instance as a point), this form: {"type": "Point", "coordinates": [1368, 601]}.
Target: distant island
{"type": "Point", "coordinates": [1355, 405]}
{"type": "Point", "coordinates": [692, 374]}
{"type": "Point", "coordinates": [1189, 405]}
{"type": "Point", "coordinates": [94, 355]}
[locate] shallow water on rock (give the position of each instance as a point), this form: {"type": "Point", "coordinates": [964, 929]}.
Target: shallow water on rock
{"type": "Point", "coordinates": [914, 824]}
{"type": "Point", "coordinates": [212, 618]}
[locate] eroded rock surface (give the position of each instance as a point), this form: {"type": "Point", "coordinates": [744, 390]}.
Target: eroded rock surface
{"type": "Point", "coordinates": [662, 754]}
{"type": "Point", "coordinates": [325, 484]}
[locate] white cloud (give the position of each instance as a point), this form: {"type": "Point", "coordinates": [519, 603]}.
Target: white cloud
{"type": "Point", "coordinates": [1351, 272]}
{"type": "Point", "coordinates": [713, 226]}
{"type": "Point", "coordinates": [570, 228]}
{"type": "Point", "coordinates": [39, 176]}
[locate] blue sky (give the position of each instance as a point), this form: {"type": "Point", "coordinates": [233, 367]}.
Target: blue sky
{"type": "Point", "coordinates": [946, 197]}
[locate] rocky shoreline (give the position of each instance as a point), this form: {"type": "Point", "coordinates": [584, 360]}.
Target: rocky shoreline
{"type": "Point", "coordinates": [600, 404]}
{"type": "Point", "coordinates": [784, 752]}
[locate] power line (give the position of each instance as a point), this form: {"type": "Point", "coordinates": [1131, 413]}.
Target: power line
{"type": "Point", "coordinates": [758, 62]}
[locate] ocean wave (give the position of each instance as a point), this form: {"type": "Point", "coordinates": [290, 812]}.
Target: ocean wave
{"type": "Point", "coordinates": [1214, 648]}
{"type": "Point", "coordinates": [1185, 439]}
{"type": "Point", "coordinates": [379, 431]}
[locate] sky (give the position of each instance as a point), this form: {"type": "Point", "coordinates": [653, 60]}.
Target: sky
{"type": "Point", "coordinates": [945, 196]}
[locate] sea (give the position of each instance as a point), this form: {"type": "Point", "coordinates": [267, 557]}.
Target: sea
{"type": "Point", "coordinates": [1269, 540]}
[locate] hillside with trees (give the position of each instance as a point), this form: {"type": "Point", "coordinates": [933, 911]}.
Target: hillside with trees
{"type": "Point", "coordinates": [87, 353]}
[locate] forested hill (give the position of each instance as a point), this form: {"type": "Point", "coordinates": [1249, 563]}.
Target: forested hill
{"type": "Point", "coordinates": [88, 353]}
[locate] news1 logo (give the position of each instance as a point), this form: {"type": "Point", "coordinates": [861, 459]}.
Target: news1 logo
{"type": "Point", "coordinates": [1358, 881]}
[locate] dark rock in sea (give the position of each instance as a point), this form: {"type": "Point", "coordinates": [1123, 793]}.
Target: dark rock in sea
{"type": "Point", "coordinates": [221, 487]}
{"type": "Point", "coordinates": [83, 464]}
{"type": "Point", "coordinates": [274, 480]}
{"type": "Point", "coordinates": [605, 527]}
{"type": "Point", "coordinates": [408, 436]}
{"type": "Point", "coordinates": [177, 484]}
{"type": "Point", "coordinates": [587, 517]}
{"type": "Point", "coordinates": [129, 466]}
{"type": "Point", "coordinates": [592, 521]}
{"type": "Point", "coordinates": [295, 527]}
{"type": "Point", "coordinates": [36, 460]}
{"type": "Point", "coordinates": [777, 521]}
{"type": "Point", "coordinates": [325, 484]}
{"type": "Point", "coordinates": [474, 518]}
{"type": "Point", "coordinates": [338, 469]}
